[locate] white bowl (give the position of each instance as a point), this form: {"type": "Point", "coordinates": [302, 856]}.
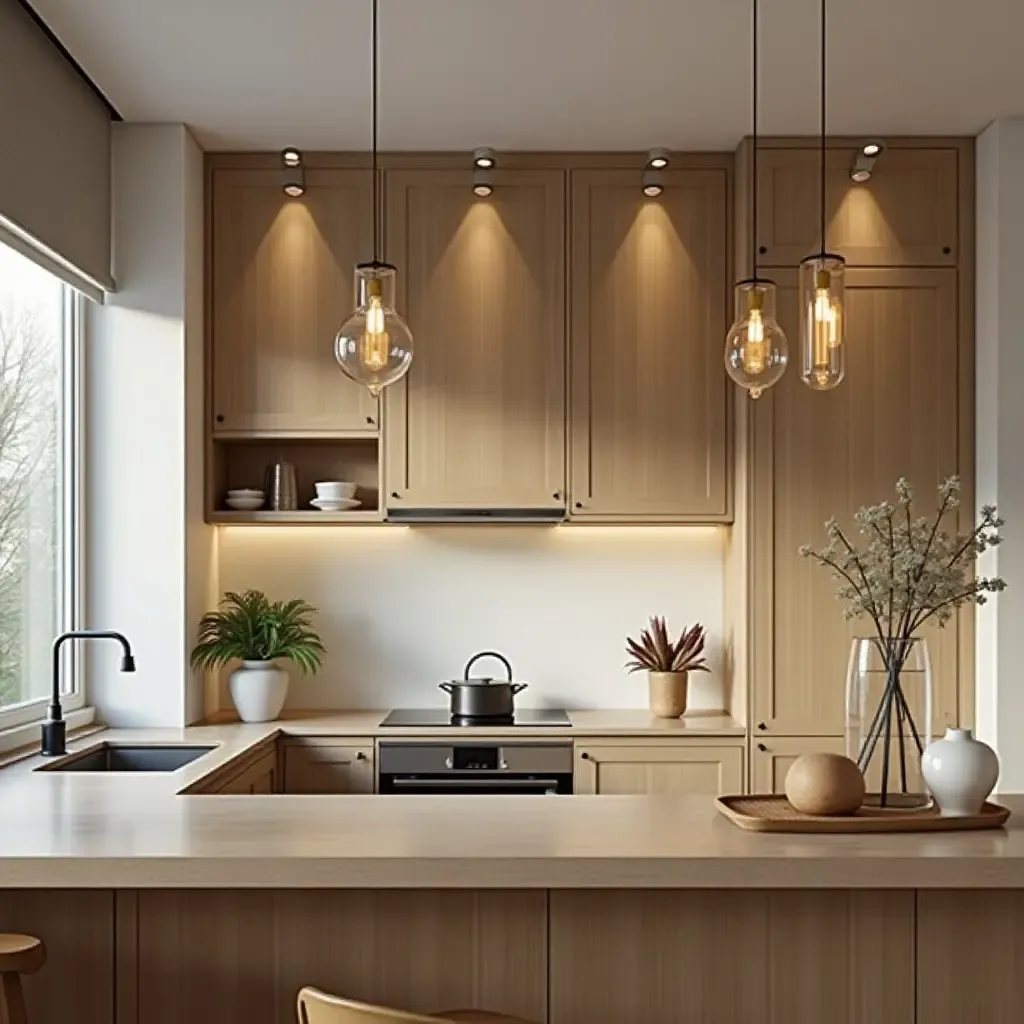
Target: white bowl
{"type": "Point", "coordinates": [245, 492]}
{"type": "Point", "coordinates": [335, 490]}
{"type": "Point", "coordinates": [245, 504]}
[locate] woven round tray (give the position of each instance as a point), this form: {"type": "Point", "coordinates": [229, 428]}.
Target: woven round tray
{"type": "Point", "coordinates": [776, 814]}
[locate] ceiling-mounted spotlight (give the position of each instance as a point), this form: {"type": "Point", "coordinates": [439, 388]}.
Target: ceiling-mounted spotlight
{"type": "Point", "coordinates": [482, 185]}
{"type": "Point", "coordinates": [294, 180]}
{"type": "Point", "coordinates": [658, 158]}
{"type": "Point", "coordinates": [864, 161]}
{"type": "Point", "coordinates": [484, 158]}
{"type": "Point", "coordinates": [653, 183]}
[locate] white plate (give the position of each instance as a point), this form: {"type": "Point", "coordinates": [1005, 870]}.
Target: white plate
{"type": "Point", "coordinates": [328, 505]}
{"type": "Point", "coordinates": [245, 504]}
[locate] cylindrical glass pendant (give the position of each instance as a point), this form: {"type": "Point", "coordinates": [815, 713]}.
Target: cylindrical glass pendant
{"type": "Point", "coordinates": [889, 717]}
{"type": "Point", "coordinates": [374, 346]}
{"type": "Point", "coordinates": [822, 321]}
{"type": "Point", "coordinates": [756, 351]}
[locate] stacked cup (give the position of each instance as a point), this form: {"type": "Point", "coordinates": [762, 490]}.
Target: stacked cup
{"type": "Point", "coordinates": [335, 496]}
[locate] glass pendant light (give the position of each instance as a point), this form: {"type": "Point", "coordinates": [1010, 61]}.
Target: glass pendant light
{"type": "Point", "coordinates": [756, 351]}
{"type": "Point", "coordinates": [822, 316]}
{"type": "Point", "coordinates": [374, 345]}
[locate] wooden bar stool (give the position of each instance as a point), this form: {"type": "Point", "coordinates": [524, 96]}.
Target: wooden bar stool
{"type": "Point", "coordinates": [316, 1007]}
{"type": "Point", "coordinates": [19, 954]}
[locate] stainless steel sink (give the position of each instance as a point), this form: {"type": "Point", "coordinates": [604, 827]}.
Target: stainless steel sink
{"type": "Point", "coordinates": [115, 757]}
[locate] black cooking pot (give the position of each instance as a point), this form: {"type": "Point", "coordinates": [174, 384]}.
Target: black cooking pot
{"type": "Point", "coordinates": [482, 696]}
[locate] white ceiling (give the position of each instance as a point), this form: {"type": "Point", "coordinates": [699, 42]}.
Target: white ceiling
{"type": "Point", "coordinates": [544, 74]}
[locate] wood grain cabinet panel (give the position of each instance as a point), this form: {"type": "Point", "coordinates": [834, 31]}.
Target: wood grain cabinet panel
{"type": "Point", "coordinates": [970, 950]}
{"type": "Point", "coordinates": [281, 286]}
{"type": "Point", "coordinates": [77, 926]}
{"type": "Point", "coordinates": [240, 957]}
{"type": "Point", "coordinates": [818, 455]}
{"type": "Point", "coordinates": [905, 215]}
{"type": "Point", "coordinates": [797, 957]}
{"type": "Point", "coordinates": [480, 420]}
{"type": "Point", "coordinates": [680, 769]}
{"type": "Point", "coordinates": [649, 308]}
{"type": "Point", "coordinates": [321, 767]}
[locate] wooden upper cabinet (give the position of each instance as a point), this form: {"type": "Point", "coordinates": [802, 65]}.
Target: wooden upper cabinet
{"type": "Point", "coordinates": [649, 316]}
{"type": "Point", "coordinates": [281, 286]}
{"type": "Point", "coordinates": [904, 216]}
{"type": "Point", "coordinates": [895, 414]}
{"type": "Point", "coordinates": [480, 420]}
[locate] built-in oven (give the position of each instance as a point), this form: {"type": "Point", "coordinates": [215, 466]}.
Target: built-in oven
{"type": "Point", "coordinates": [477, 766]}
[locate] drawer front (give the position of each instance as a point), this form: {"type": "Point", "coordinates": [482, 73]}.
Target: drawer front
{"type": "Point", "coordinates": [328, 769]}
{"type": "Point", "coordinates": [684, 770]}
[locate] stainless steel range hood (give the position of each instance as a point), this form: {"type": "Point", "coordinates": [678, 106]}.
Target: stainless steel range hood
{"type": "Point", "coordinates": [475, 515]}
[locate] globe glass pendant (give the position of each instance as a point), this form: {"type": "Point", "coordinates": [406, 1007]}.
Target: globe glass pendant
{"type": "Point", "coordinates": [756, 351]}
{"type": "Point", "coordinates": [374, 345]}
{"type": "Point", "coordinates": [822, 321]}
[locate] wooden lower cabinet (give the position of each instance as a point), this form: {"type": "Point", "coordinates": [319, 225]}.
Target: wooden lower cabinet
{"type": "Point", "coordinates": [240, 957]}
{"type": "Point", "coordinates": [325, 766]}
{"type": "Point", "coordinates": [693, 768]}
{"type": "Point", "coordinates": [667, 957]}
{"type": "Point", "coordinates": [259, 777]}
{"type": "Point", "coordinates": [773, 756]}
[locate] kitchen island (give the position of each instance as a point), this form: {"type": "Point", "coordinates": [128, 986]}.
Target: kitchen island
{"type": "Point", "coordinates": [159, 907]}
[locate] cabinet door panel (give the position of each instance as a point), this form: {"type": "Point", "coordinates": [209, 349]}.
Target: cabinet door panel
{"type": "Point", "coordinates": [819, 455]}
{"type": "Point", "coordinates": [281, 286]}
{"type": "Point", "coordinates": [689, 769]}
{"type": "Point", "coordinates": [480, 420]}
{"type": "Point", "coordinates": [906, 215]}
{"type": "Point", "coordinates": [323, 768]}
{"type": "Point", "coordinates": [649, 301]}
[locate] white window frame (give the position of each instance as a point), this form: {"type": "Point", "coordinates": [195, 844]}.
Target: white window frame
{"type": "Point", "coordinates": [70, 565]}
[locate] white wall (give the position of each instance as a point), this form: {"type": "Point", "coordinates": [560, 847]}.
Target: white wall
{"type": "Point", "coordinates": [1000, 430]}
{"type": "Point", "coordinates": [147, 551]}
{"type": "Point", "coordinates": [403, 608]}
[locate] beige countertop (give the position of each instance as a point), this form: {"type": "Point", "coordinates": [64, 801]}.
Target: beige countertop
{"type": "Point", "coordinates": [89, 830]}
{"type": "Point", "coordinates": [609, 722]}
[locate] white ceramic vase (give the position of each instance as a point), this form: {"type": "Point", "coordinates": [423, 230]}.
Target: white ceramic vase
{"type": "Point", "coordinates": [960, 771]}
{"type": "Point", "coordinates": [258, 690]}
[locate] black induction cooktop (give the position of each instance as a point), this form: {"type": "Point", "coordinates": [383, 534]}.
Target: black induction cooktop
{"type": "Point", "coordinates": [423, 718]}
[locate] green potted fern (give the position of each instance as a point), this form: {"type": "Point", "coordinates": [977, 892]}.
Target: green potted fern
{"type": "Point", "coordinates": [668, 664]}
{"type": "Point", "coordinates": [257, 632]}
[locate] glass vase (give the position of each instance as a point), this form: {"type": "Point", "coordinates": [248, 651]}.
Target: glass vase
{"type": "Point", "coordinates": [889, 718]}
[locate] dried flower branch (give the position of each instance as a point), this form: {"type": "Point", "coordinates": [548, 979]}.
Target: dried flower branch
{"type": "Point", "coordinates": [655, 652]}
{"type": "Point", "coordinates": [909, 570]}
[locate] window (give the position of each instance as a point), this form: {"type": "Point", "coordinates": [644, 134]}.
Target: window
{"type": "Point", "coordinates": [39, 328]}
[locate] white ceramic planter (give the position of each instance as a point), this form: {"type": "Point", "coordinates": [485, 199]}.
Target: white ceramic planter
{"type": "Point", "coordinates": [258, 690]}
{"type": "Point", "coordinates": [960, 771]}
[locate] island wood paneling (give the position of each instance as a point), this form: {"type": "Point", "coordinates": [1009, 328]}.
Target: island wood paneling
{"type": "Point", "coordinates": [280, 283]}
{"type": "Point", "coordinates": [789, 957]}
{"type": "Point", "coordinates": [216, 957]}
{"type": "Point", "coordinates": [479, 421]}
{"type": "Point", "coordinates": [824, 454]}
{"type": "Point", "coordinates": [77, 926]}
{"type": "Point", "coordinates": [970, 954]}
{"type": "Point", "coordinates": [649, 396]}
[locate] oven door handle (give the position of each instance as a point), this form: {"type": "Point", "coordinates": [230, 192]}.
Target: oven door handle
{"type": "Point", "coordinates": [462, 780]}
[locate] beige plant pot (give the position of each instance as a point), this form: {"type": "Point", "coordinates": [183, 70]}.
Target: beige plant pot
{"type": "Point", "coordinates": [667, 693]}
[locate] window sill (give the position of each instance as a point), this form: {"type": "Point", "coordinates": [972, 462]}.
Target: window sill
{"type": "Point", "coordinates": [27, 735]}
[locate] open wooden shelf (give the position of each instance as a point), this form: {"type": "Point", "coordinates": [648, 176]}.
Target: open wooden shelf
{"type": "Point", "coordinates": [300, 517]}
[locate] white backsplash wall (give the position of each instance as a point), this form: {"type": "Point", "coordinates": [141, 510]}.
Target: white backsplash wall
{"type": "Point", "coordinates": [401, 608]}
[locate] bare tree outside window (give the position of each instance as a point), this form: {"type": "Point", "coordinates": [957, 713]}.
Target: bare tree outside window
{"type": "Point", "coordinates": [32, 526]}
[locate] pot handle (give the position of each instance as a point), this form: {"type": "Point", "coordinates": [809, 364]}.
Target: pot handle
{"type": "Point", "coordinates": [518, 688]}
{"type": "Point", "coordinates": [447, 687]}
{"type": "Point", "coordinates": [488, 654]}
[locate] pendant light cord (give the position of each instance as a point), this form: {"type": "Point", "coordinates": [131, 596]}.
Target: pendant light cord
{"type": "Point", "coordinates": [753, 179]}
{"type": "Point", "coordinates": [377, 255]}
{"type": "Point", "coordinates": [823, 37]}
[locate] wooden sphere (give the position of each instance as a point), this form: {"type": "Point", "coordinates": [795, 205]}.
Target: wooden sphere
{"type": "Point", "coordinates": [824, 784]}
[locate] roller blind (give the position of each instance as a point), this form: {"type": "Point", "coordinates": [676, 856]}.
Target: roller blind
{"type": "Point", "coordinates": [54, 156]}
